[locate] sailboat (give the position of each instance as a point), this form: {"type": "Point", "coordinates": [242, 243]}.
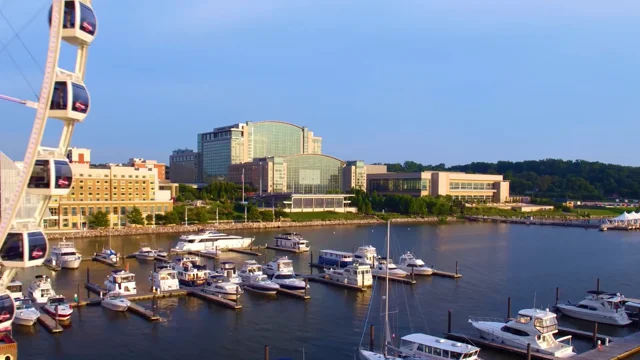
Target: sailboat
{"type": "Point", "coordinates": [415, 346]}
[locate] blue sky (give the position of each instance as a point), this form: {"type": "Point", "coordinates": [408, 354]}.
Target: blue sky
{"type": "Point", "coordinates": [384, 81]}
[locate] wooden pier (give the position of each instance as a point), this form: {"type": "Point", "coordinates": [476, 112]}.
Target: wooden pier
{"type": "Point", "coordinates": [49, 323]}
{"type": "Point", "coordinates": [585, 334]}
{"type": "Point", "coordinates": [568, 223]}
{"type": "Point", "coordinates": [302, 295]}
{"type": "Point", "coordinates": [203, 254]}
{"type": "Point", "coordinates": [404, 280]}
{"type": "Point", "coordinates": [320, 278]}
{"type": "Point", "coordinates": [245, 252]}
{"type": "Point", "coordinates": [277, 248]}
{"type": "Point", "coordinates": [446, 274]}
{"type": "Point", "coordinates": [618, 349]}
{"type": "Point", "coordinates": [145, 313]}
{"type": "Point", "coordinates": [480, 342]}
{"type": "Point", "coordinates": [56, 267]}
{"type": "Point", "coordinates": [198, 293]}
{"type": "Point", "coordinates": [104, 261]}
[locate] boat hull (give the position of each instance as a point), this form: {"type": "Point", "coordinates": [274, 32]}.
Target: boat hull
{"type": "Point", "coordinates": [327, 261]}
{"type": "Point", "coordinates": [224, 295]}
{"type": "Point", "coordinates": [70, 264]}
{"type": "Point", "coordinates": [115, 305]}
{"type": "Point", "coordinates": [145, 257]}
{"type": "Point", "coordinates": [62, 315]}
{"type": "Point", "coordinates": [219, 244]}
{"type": "Point", "coordinates": [370, 355]}
{"type": "Point", "coordinates": [264, 289]}
{"type": "Point", "coordinates": [25, 319]}
{"type": "Point", "coordinates": [618, 319]}
{"type": "Point", "coordinates": [418, 271]}
{"type": "Point", "coordinates": [293, 286]}
{"type": "Point", "coordinates": [192, 283]}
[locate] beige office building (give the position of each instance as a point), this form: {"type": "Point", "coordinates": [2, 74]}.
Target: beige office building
{"type": "Point", "coordinates": [467, 187]}
{"type": "Point", "coordinates": [114, 189]}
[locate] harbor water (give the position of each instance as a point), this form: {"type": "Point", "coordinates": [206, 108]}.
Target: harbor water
{"type": "Point", "coordinates": [497, 261]}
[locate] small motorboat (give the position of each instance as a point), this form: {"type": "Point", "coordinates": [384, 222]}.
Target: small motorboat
{"type": "Point", "coordinates": [66, 255]}
{"type": "Point", "coordinates": [116, 302]}
{"type": "Point", "coordinates": [355, 274]}
{"type": "Point", "coordinates": [58, 308]}
{"type": "Point", "coordinates": [164, 278]}
{"type": "Point", "coordinates": [281, 269]}
{"type": "Point", "coordinates": [228, 269]}
{"type": "Point", "coordinates": [122, 282]}
{"type": "Point", "coordinates": [26, 314]}
{"type": "Point", "coordinates": [381, 268]}
{"type": "Point", "coordinates": [411, 264]}
{"type": "Point", "coordinates": [145, 252]}
{"type": "Point", "coordinates": [220, 285]}
{"type": "Point", "coordinates": [161, 253]}
{"type": "Point", "coordinates": [261, 284]}
{"type": "Point", "coordinates": [366, 255]}
{"type": "Point", "coordinates": [108, 255]}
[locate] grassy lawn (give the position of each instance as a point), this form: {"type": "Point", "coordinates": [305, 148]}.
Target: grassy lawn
{"type": "Point", "coordinates": [326, 215]}
{"type": "Point", "coordinates": [603, 211]}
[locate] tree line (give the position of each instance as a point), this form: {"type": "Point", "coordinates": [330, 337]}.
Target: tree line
{"type": "Point", "coordinates": [551, 178]}
{"type": "Point", "coordinates": [405, 204]}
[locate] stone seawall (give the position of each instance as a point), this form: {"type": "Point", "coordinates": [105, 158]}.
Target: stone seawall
{"type": "Point", "coordinates": [228, 226]}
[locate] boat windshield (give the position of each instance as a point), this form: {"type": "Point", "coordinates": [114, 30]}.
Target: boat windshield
{"type": "Point", "coordinates": [24, 304]}
{"type": "Point", "coordinates": [68, 253]}
{"type": "Point", "coordinates": [124, 278]}
{"type": "Point", "coordinates": [523, 319]}
{"type": "Point", "coordinates": [546, 325]}
{"type": "Point", "coordinates": [167, 276]}
{"type": "Point", "coordinates": [45, 292]}
{"type": "Point", "coordinates": [284, 276]}
{"type": "Point", "coordinates": [14, 288]}
{"type": "Point", "coordinates": [56, 301]}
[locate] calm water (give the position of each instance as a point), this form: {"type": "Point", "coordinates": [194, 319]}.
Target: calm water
{"type": "Point", "coordinates": [496, 260]}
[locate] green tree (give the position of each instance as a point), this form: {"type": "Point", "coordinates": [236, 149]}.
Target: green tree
{"type": "Point", "coordinates": [253, 213]}
{"type": "Point", "coordinates": [280, 213]}
{"type": "Point", "coordinates": [200, 215]}
{"type": "Point", "coordinates": [266, 215]}
{"type": "Point", "coordinates": [149, 219]}
{"type": "Point", "coordinates": [99, 219]}
{"type": "Point", "coordinates": [171, 218]}
{"type": "Point", "coordinates": [134, 217]}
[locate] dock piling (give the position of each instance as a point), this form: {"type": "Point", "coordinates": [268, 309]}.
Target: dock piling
{"type": "Point", "coordinates": [598, 284]}
{"type": "Point", "coordinates": [456, 268]}
{"type": "Point", "coordinates": [449, 322]}
{"type": "Point", "coordinates": [237, 296]}
{"type": "Point", "coordinates": [557, 294]}
{"type": "Point", "coordinates": [528, 351]}
{"type": "Point", "coordinates": [266, 352]}
{"type": "Point", "coordinates": [57, 317]}
{"type": "Point", "coordinates": [412, 275]}
{"type": "Point", "coordinates": [509, 307]}
{"type": "Point", "coordinates": [371, 337]}
{"type": "Point", "coordinates": [88, 278]}
{"type": "Point", "coordinates": [595, 333]}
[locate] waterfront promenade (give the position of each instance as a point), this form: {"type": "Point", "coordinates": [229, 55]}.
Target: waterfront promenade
{"type": "Point", "coordinates": [128, 231]}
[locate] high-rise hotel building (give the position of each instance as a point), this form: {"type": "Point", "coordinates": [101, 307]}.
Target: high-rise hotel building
{"type": "Point", "coordinates": [241, 143]}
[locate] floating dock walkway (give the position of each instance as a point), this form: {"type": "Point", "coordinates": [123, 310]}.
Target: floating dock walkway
{"type": "Point", "coordinates": [451, 275]}
{"type": "Point", "coordinates": [104, 261]}
{"type": "Point", "coordinates": [320, 278]}
{"type": "Point", "coordinates": [405, 280]}
{"type": "Point", "coordinates": [195, 292]}
{"type": "Point", "coordinates": [618, 349]}
{"type": "Point", "coordinates": [480, 342]}
{"type": "Point", "coordinates": [48, 323]}
{"type": "Point", "coordinates": [277, 248]}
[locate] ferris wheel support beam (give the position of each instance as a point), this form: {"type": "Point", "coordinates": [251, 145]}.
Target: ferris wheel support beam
{"type": "Point", "coordinates": [39, 124]}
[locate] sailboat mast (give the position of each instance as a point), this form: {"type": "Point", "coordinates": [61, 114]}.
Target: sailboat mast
{"type": "Point", "coordinates": [386, 295]}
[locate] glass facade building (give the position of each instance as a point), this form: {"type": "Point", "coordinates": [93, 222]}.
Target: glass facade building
{"type": "Point", "coordinates": [314, 174]}
{"type": "Point", "coordinates": [240, 143]}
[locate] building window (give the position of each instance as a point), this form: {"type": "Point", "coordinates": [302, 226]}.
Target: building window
{"type": "Point", "coordinates": [90, 211]}
{"type": "Point", "coordinates": [83, 211]}
{"type": "Point", "coordinates": [53, 211]}
{"type": "Point", "coordinates": [65, 211]}
{"type": "Point", "coordinates": [74, 211]}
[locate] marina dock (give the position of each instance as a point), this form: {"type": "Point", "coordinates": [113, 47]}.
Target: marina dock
{"type": "Point", "coordinates": [405, 280]}
{"type": "Point", "coordinates": [214, 299]}
{"type": "Point", "coordinates": [277, 248]}
{"type": "Point", "coordinates": [447, 274]}
{"type": "Point", "coordinates": [320, 278]}
{"type": "Point", "coordinates": [48, 323]}
{"type": "Point", "coordinates": [568, 223]}
{"type": "Point", "coordinates": [145, 313]}
{"type": "Point", "coordinates": [619, 349]}
{"type": "Point", "coordinates": [104, 261]}
{"type": "Point", "coordinates": [203, 254]}
{"type": "Point", "coordinates": [245, 252]}
{"type": "Point", "coordinates": [295, 294]}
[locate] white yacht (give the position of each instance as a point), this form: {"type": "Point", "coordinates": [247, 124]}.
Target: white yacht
{"type": "Point", "coordinates": [189, 272]}
{"type": "Point", "coordinates": [281, 271]}
{"type": "Point", "coordinates": [145, 252]}
{"type": "Point", "coordinates": [292, 241]}
{"type": "Point", "coordinates": [253, 278]}
{"type": "Point", "coordinates": [366, 255]}
{"type": "Point", "coordinates": [164, 279]}
{"type": "Point", "coordinates": [212, 239]}
{"type": "Point", "coordinates": [381, 268]}
{"type": "Point", "coordinates": [410, 263]}
{"type": "Point", "coordinates": [116, 302]}
{"type": "Point", "coordinates": [15, 289]}
{"type": "Point", "coordinates": [598, 306]}
{"type": "Point", "coordinates": [65, 254]}
{"type": "Point", "coordinates": [228, 269]}
{"type": "Point", "coordinates": [221, 286]}
{"type": "Point", "coordinates": [262, 284]}
{"type": "Point", "coordinates": [58, 308]}
{"type": "Point", "coordinates": [121, 281]}
{"type": "Point", "coordinates": [355, 274]}
{"type": "Point", "coordinates": [26, 314]}
{"type": "Point", "coordinates": [40, 289]}
{"type": "Point", "coordinates": [531, 326]}
{"type": "Point", "coordinates": [250, 269]}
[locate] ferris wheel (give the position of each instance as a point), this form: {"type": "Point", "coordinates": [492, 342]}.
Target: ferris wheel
{"type": "Point", "coordinates": [45, 171]}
